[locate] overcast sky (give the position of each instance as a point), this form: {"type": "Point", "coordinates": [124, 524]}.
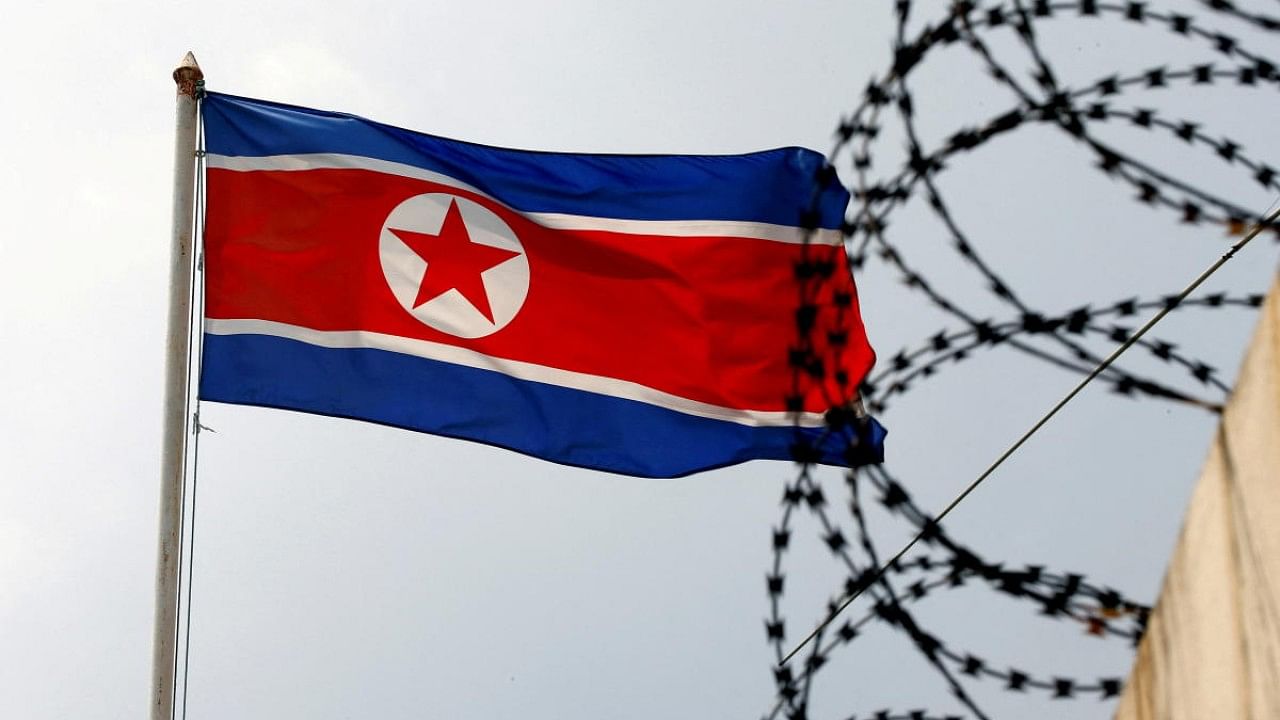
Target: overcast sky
{"type": "Point", "coordinates": [346, 570]}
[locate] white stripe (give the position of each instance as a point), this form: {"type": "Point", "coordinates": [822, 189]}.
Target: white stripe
{"type": "Point", "coordinates": [559, 221]}
{"type": "Point", "coordinates": [513, 368]}
{"type": "Point", "coordinates": [331, 161]}
{"type": "Point", "coordinates": [687, 228]}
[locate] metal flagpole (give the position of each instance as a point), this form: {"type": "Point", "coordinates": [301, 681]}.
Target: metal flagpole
{"type": "Point", "coordinates": [176, 387]}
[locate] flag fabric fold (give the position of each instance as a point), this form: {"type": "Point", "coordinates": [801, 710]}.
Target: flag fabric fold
{"type": "Point", "coordinates": [628, 313]}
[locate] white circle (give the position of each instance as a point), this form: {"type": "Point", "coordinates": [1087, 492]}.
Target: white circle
{"type": "Point", "coordinates": [507, 283]}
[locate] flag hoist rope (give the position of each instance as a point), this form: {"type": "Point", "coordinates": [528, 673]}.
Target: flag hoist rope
{"type": "Point", "coordinates": [1267, 222]}
{"type": "Point", "coordinates": [176, 422]}
{"type": "Point", "coordinates": [187, 538]}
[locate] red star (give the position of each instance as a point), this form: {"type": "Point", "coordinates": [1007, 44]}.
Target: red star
{"type": "Point", "coordinates": [453, 261]}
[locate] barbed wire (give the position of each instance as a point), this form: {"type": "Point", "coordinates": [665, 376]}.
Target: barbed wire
{"type": "Point", "coordinates": [948, 347]}
{"type": "Point", "coordinates": [1059, 338]}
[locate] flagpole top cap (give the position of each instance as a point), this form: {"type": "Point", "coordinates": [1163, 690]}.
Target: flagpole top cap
{"type": "Point", "coordinates": [187, 74]}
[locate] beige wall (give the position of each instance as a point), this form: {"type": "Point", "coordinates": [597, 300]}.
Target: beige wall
{"type": "Point", "coordinates": [1212, 649]}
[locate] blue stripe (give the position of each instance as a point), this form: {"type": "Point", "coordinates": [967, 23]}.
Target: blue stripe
{"type": "Point", "coordinates": [563, 425]}
{"type": "Point", "coordinates": [771, 186]}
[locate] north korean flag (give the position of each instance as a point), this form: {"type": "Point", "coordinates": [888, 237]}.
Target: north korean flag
{"type": "Point", "coordinates": [630, 313]}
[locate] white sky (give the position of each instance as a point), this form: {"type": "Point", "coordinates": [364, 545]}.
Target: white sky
{"type": "Point", "coordinates": [349, 571]}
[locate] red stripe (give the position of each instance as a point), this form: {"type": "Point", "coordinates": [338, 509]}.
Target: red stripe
{"type": "Point", "coordinates": [705, 318]}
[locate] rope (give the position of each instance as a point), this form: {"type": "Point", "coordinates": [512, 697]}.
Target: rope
{"type": "Point", "coordinates": [194, 351]}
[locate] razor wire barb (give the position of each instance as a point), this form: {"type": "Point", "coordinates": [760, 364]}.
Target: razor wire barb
{"type": "Point", "coordinates": [1053, 336]}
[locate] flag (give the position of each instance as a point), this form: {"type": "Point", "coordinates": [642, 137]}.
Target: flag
{"type": "Point", "coordinates": [629, 313]}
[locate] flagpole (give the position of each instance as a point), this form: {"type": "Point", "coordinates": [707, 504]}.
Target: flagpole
{"type": "Point", "coordinates": [176, 388]}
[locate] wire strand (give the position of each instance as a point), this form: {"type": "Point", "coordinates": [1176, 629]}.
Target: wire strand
{"type": "Point", "coordinates": [1133, 339]}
